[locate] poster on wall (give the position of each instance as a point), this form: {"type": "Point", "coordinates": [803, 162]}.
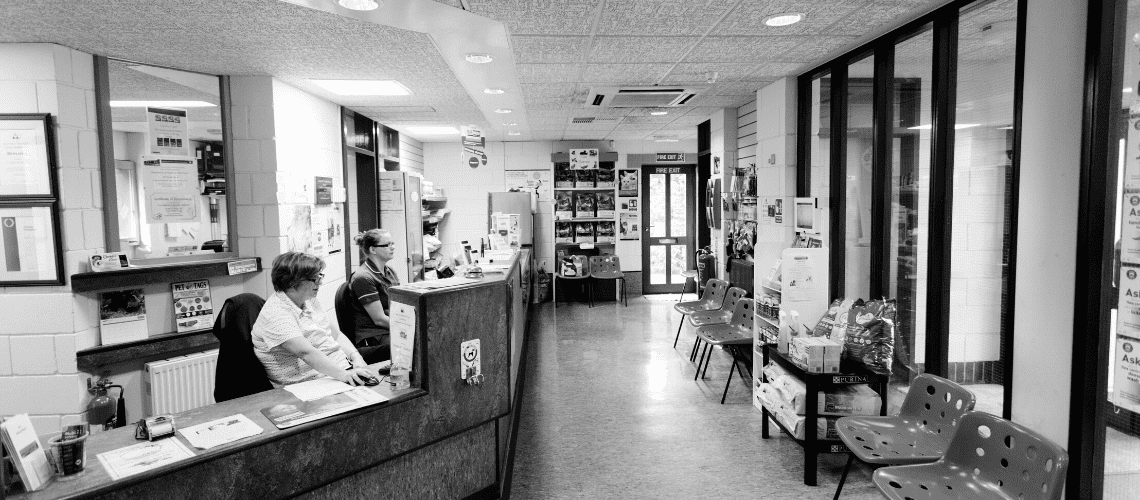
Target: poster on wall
{"type": "Point", "coordinates": [335, 228]}
{"type": "Point", "coordinates": [584, 159]}
{"type": "Point", "coordinates": [300, 233]}
{"type": "Point", "coordinates": [1128, 301]}
{"type": "Point", "coordinates": [800, 279]}
{"type": "Point", "coordinates": [474, 147]}
{"type": "Point", "coordinates": [168, 131]}
{"type": "Point", "coordinates": [171, 188]}
{"type": "Point", "coordinates": [532, 181]}
{"type": "Point", "coordinates": [629, 227]}
{"type": "Point", "coordinates": [27, 245]}
{"type": "Point", "coordinates": [627, 182]}
{"type": "Point", "coordinates": [24, 168]}
{"type": "Point", "coordinates": [1130, 230]}
{"type": "Point", "coordinates": [1126, 376]}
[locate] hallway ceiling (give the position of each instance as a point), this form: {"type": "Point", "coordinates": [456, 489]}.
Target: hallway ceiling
{"type": "Point", "coordinates": [561, 48]}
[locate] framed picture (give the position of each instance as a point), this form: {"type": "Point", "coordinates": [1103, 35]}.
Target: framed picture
{"type": "Point", "coordinates": [29, 245]}
{"type": "Point", "coordinates": [627, 182]}
{"type": "Point", "coordinates": [27, 156]}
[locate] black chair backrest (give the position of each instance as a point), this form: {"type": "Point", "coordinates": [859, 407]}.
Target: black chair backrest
{"type": "Point", "coordinates": [239, 372]}
{"type": "Point", "coordinates": [345, 315]}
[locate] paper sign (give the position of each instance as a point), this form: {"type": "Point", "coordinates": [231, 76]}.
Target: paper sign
{"type": "Point", "coordinates": [1128, 304]}
{"type": "Point", "coordinates": [1130, 230]}
{"type": "Point", "coordinates": [532, 181]}
{"type": "Point", "coordinates": [168, 131]}
{"type": "Point", "coordinates": [242, 266]}
{"type": "Point", "coordinates": [171, 187]}
{"type": "Point", "coordinates": [23, 159]}
{"type": "Point", "coordinates": [403, 328]}
{"type": "Point", "coordinates": [142, 457]}
{"type": "Point", "coordinates": [583, 159]}
{"type": "Point", "coordinates": [1126, 376]}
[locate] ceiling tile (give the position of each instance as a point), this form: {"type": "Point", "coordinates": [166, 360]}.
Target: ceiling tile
{"type": "Point", "coordinates": [452, 3]}
{"type": "Point", "coordinates": [875, 14]}
{"type": "Point", "coordinates": [696, 73]}
{"type": "Point", "coordinates": [634, 120]}
{"type": "Point", "coordinates": [539, 17]}
{"type": "Point", "coordinates": [737, 88]}
{"type": "Point", "coordinates": [549, 49]}
{"type": "Point", "coordinates": [721, 101]}
{"type": "Point", "coordinates": [656, 17]}
{"type": "Point", "coordinates": [748, 17]}
{"type": "Point", "coordinates": [776, 70]}
{"type": "Point", "coordinates": [625, 74]}
{"type": "Point", "coordinates": [813, 49]}
{"type": "Point", "coordinates": [640, 126]}
{"type": "Point", "coordinates": [742, 48]}
{"type": "Point", "coordinates": [547, 73]}
{"type": "Point", "coordinates": [643, 49]}
{"type": "Point", "coordinates": [691, 121]}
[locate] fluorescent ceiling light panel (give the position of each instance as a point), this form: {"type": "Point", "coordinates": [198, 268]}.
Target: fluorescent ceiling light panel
{"type": "Point", "coordinates": [658, 113]}
{"type": "Point", "coordinates": [784, 19]}
{"type": "Point", "coordinates": [514, 133]}
{"type": "Point", "coordinates": [363, 87]}
{"type": "Point", "coordinates": [504, 110]}
{"type": "Point", "coordinates": [511, 124]}
{"type": "Point", "coordinates": [957, 126]}
{"type": "Point", "coordinates": [665, 140]}
{"type": "Point", "coordinates": [359, 4]}
{"type": "Point", "coordinates": [434, 130]}
{"type": "Point", "coordinates": [493, 91]}
{"type": "Point", "coordinates": [161, 104]}
{"type": "Point", "coordinates": [478, 58]}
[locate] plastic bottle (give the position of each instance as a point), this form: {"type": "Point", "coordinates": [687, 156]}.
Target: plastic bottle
{"type": "Point", "coordinates": [794, 326]}
{"type": "Point", "coordinates": [785, 335]}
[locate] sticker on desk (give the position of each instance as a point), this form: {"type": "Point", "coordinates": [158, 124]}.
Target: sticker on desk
{"type": "Point", "coordinates": [403, 327]}
{"type": "Point", "coordinates": [242, 266]}
{"type": "Point", "coordinates": [142, 457]}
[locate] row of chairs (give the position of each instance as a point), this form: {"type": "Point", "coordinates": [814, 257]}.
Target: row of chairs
{"type": "Point", "coordinates": [938, 447]}
{"type": "Point", "coordinates": [589, 270]}
{"type": "Point", "coordinates": [723, 316]}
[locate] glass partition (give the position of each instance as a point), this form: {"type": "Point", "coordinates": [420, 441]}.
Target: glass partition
{"type": "Point", "coordinates": [860, 152]}
{"type": "Point", "coordinates": [910, 194]}
{"type": "Point", "coordinates": [820, 136]}
{"type": "Point", "coordinates": [983, 152]}
{"type": "Point", "coordinates": [169, 166]}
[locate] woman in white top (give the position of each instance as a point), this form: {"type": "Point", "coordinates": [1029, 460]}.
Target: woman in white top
{"type": "Point", "coordinates": [293, 336]}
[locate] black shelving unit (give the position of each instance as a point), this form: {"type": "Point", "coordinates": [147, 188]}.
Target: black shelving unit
{"type": "Point", "coordinates": [850, 374]}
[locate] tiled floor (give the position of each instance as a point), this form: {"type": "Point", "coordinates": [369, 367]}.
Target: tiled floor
{"type": "Point", "coordinates": [610, 410]}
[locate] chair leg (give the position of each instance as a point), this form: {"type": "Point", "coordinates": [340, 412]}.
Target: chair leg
{"type": "Point", "coordinates": [590, 291]}
{"type": "Point", "coordinates": [708, 360]}
{"type": "Point", "coordinates": [556, 280]}
{"type": "Point", "coordinates": [624, 300]}
{"type": "Point", "coordinates": [843, 478]}
{"type": "Point", "coordinates": [735, 368]}
{"type": "Point", "coordinates": [696, 345]}
{"type": "Point", "coordinates": [700, 362]}
{"type": "Point", "coordinates": [678, 337]}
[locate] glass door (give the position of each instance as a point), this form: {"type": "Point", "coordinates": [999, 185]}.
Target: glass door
{"type": "Point", "coordinates": [670, 226]}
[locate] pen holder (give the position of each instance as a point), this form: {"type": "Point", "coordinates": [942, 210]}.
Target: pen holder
{"type": "Point", "coordinates": [67, 456]}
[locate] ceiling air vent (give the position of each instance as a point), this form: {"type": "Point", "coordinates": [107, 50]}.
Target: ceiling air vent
{"type": "Point", "coordinates": [641, 97]}
{"type": "Point", "coordinates": [583, 119]}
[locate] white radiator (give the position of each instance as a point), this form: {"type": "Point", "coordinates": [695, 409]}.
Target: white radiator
{"type": "Point", "coordinates": [182, 383]}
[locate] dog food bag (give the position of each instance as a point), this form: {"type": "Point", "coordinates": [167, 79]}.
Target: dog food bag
{"type": "Point", "coordinates": [827, 322]}
{"type": "Point", "coordinates": [870, 335]}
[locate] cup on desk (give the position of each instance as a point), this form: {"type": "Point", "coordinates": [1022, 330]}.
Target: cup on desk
{"type": "Point", "coordinates": [67, 456]}
{"type": "Point", "coordinates": [400, 379]}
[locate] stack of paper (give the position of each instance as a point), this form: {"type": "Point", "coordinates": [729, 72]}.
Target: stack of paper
{"type": "Point", "coordinates": [19, 437]}
{"type": "Point", "coordinates": [220, 431]}
{"type": "Point", "coordinates": [317, 389]}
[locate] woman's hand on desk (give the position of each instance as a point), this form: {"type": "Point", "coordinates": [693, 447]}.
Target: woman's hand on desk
{"type": "Point", "coordinates": [356, 376]}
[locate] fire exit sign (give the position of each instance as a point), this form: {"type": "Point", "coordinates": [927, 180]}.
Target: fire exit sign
{"type": "Point", "coordinates": [670, 156]}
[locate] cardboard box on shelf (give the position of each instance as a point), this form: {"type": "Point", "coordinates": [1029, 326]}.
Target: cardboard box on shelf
{"type": "Point", "coordinates": [815, 354]}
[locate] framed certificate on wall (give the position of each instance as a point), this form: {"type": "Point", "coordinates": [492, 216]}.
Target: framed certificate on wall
{"type": "Point", "coordinates": [27, 155]}
{"type": "Point", "coordinates": [29, 246]}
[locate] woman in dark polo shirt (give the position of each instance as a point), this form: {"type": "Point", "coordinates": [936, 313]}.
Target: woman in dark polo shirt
{"type": "Point", "coordinates": [369, 287]}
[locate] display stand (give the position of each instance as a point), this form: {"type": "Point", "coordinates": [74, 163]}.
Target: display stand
{"type": "Point", "coordinates": [850, 373]}
{"type": "Point", "coordinates": [802, 287]}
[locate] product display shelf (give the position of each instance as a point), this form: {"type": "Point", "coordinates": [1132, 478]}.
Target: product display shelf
{"type": "Point", "coordinates": [609, 188]}
{"type": "Point", "coordinates": [850, 374]}
{"type": "Point", "coordinates": [768, 319]}
{"type": "Point", "coordinates": [431, 205]}
{"type": "Point", "coordinates": [585, 219]}
{"type": "Point", "coordinates": [568, 245]}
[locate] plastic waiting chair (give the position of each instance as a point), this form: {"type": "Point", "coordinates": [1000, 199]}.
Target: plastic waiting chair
{"type": "Point", "coordinates": [582, 265]}
{"type": "Point", "coordinates": [989, 457]}
{"type": "Point", "coordinates": [711, 300]}
{"type": "Point", "coordinates": [608, 267]}
{"type": "Point", "coordinates": [919, 434]}
{"type": "Point", "coordinates": [736, 332]}
{"type": "Point", "coordinates": [716, 317]}
{"type": "Point", "coordinates": [690, 277]}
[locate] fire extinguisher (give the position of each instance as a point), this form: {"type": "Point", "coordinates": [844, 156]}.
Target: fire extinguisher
{"type": "Point", "coordinates": [706, 266]}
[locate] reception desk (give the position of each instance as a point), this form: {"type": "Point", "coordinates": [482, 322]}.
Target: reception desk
{"type": "Point", "coordinates": [441, 438]}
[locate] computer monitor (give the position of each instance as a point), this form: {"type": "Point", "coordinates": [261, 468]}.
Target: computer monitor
{"type": "Point", "coordinates": [807, 215]}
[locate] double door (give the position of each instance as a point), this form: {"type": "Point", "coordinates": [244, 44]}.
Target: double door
{"type": "Point", "coordinates": [669, 215]}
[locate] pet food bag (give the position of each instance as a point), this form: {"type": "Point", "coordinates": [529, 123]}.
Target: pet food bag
{"type": "Point", "coordinates": [870, 335]}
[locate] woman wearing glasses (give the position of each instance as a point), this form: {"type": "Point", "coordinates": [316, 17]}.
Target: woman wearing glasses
{"type": "Point", "coordinates": [294, 337]}
{"type": "Point", "coordinates": [369, 293]}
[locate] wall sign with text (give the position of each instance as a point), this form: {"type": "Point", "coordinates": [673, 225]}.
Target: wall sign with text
{"type": "Point", "coordinates": [670, 156]}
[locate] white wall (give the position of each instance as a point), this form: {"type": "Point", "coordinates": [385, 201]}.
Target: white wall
{"type": "Point", "coordinates": [775, 158]}
{"type": "Point", "coordinates": [1047, 215]}
{"type": "Point", "coordinates": [467, 188]}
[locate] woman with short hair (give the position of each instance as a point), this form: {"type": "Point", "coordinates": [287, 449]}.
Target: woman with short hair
{"type": "Point", "coordinates": [293, 336]}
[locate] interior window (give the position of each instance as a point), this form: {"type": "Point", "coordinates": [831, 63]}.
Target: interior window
{"type": "Point", "coordinates": [169, 171]}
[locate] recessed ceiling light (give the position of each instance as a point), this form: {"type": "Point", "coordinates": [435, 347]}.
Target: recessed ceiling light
{"type": "Point", "coordinates": [478, 58]}
{"type": "Point", "coordinates": [169, 104]}
{"type": "Point", "coordinates": [658, 113]}
{"type": "Point", "coordinates": [784, 19]}
{"type": "Point", "coordinates": [665, 140]}
{"type": "Point", "coordinates": [511, 124]}
{"type": "Point", "coordinates": [504, 110]}
{"type": "Point", "coordinates": [1127, 89]}
{"type": "Point", "coordinates": [434, 130]}
{"type": "Point", "coordinates": [493, 91]}
{"type": "Point", "coordinates": [514, 133]}
{"type": "Point", "coordinates": [359, 4]}
{"type": "Point", "coordinates": [363, 87]}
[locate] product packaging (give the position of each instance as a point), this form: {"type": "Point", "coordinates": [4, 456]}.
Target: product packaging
{"type": "Point", "coordinates": [563, 206]}
{"type": "Point", "coordinates": [815, 355]}
{"type": "Point", "coordinates": [870, 336]}
{"type": "Point", "coordinates": [585, 205]}
{"type": "Point", "coordinates": [584, 232]}
{"type": "Point", "coordinates": [564, 232]}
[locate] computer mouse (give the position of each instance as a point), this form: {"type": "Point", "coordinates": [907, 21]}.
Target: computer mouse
{"type": "Point", "coordinates": [370, 381]}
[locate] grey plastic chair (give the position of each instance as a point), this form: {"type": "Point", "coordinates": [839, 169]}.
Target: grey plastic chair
{"type": "Point", "coordinates": [736, 332]}
{"type": "Point", "coordinates": [715, 317]}
{"type": "Point", "coordinates": [989, 457]}
{"type": "Point", "coordinates": [919, 434]}
{"type": "Point", "coordinates": [711, 300]}
{"type": "Point", "coordinates": [608, 267]}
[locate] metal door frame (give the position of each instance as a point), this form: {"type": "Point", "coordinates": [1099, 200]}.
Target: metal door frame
{"type": "Point", "coordinates": [689, 170]}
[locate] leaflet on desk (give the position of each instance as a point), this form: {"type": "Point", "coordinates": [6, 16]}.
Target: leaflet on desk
{"type": "Point", "coordinates": [287, 415]}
